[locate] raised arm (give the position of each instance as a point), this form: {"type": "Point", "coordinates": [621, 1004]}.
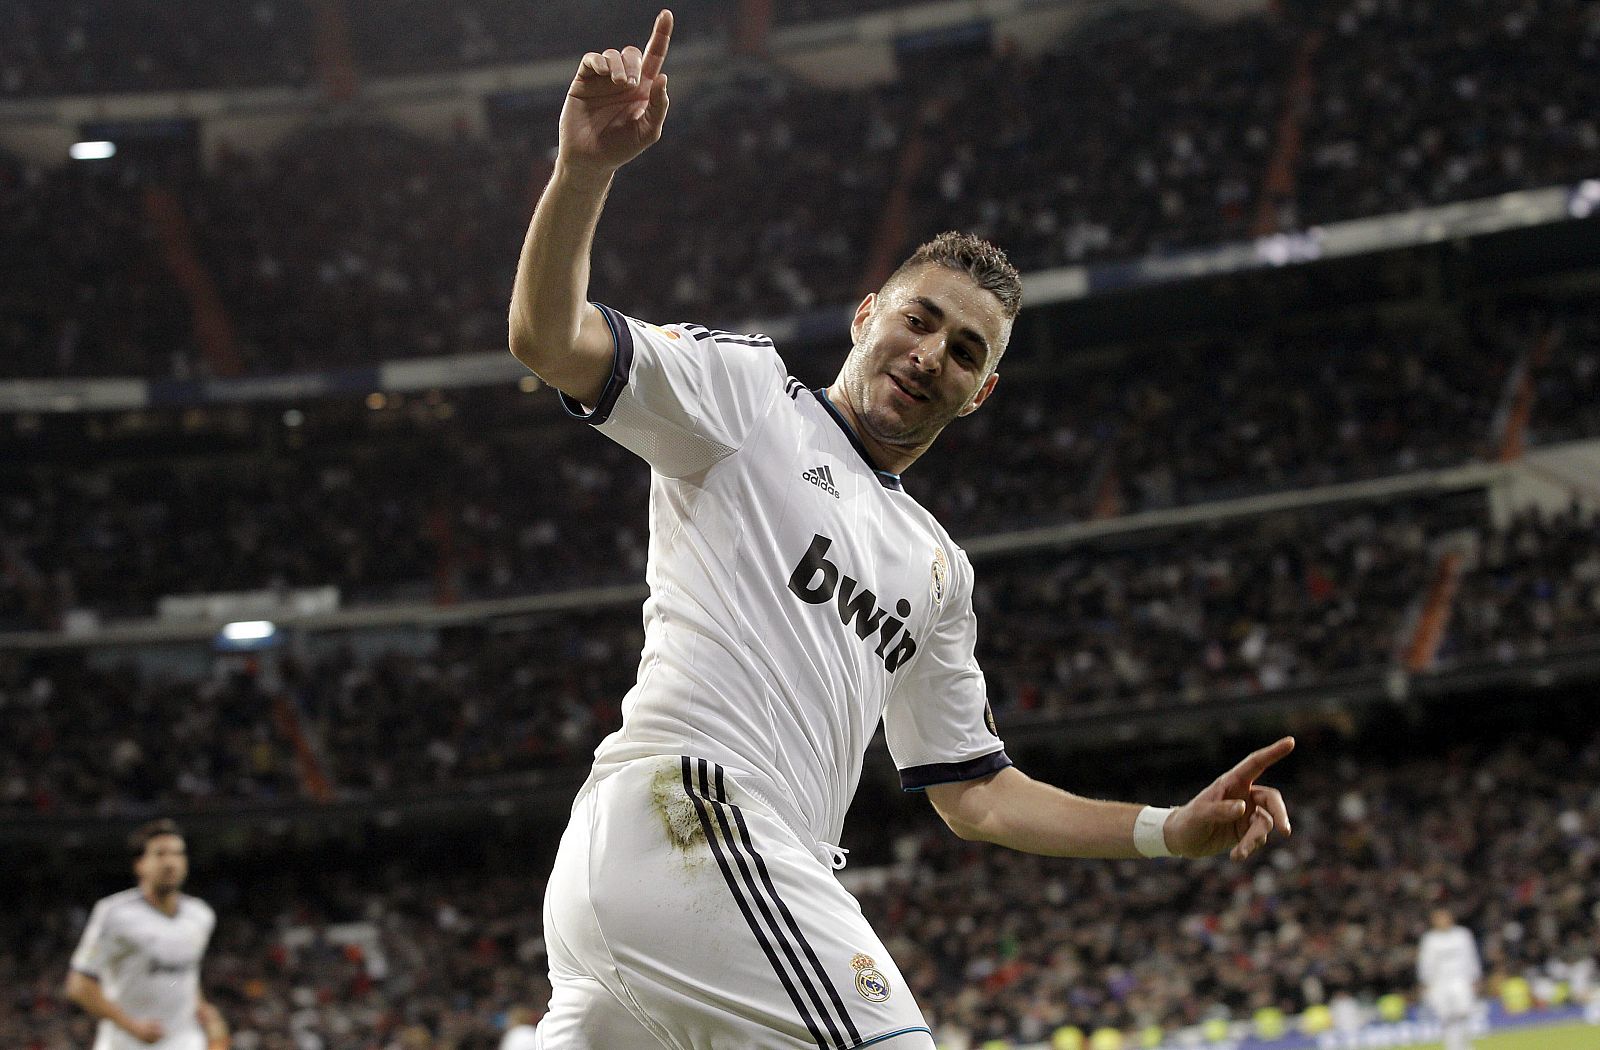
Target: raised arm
{"type": "Point", "coordinates": [1012, 809]}
{"type": "Point", "coordinates": [614, 111]}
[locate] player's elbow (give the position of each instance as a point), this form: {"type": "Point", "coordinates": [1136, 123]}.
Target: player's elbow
{"type": "Point", "coordinates": [954, 804]}
{"type": "Point", "coordinates": [964, 831]}
{"type": "Point", "coordinates": [528, 348]}
{"type": "Point", "coordinates": [77, 986]}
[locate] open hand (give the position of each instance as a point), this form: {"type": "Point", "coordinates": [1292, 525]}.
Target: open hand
{"type": "Point", "coordinates": [617, 103]}
{"type": "Point", "coordinates": [1234, 813]}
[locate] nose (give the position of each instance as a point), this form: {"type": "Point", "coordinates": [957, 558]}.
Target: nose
{"type": "Point", "coordinates": [929, 356]}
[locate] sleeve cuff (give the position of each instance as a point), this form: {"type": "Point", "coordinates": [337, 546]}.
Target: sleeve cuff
{"type": "Point", "coordinates": [621, 366]}
{"type": "Point", "coordinates": [87, 973]}
{"type": "Point", "coordinates": [920, 778]}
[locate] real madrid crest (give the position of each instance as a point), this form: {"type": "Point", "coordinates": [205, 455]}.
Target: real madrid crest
{"type": "Point", "coordinates": [941, 574]}
{"type": "Point", "coordinates": [870, 981]}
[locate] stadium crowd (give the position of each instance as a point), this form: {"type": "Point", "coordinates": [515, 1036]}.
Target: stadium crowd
{"type": "Point", "coordinates": [87, 295]}
{"type": "Point", "coordinates": [364, 955]}
{"type": "Point", "coordinates": [1202, 615]}
{"type": "Point", "coordinates": [1419, 104]}
{"type": "Point", "coordinates": [1173, 122]}
{"type": "Point", "coordinates": [456, 506]}
{"type": "Point", "coordinates": [349, 244]}
{"type": "Point", "coordinates": [102, 46]}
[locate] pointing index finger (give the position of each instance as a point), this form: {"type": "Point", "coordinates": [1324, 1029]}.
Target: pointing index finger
{"type": "Point", "coordinates": [1257, 762]}
{"type": "Point", "coordinates": [655, 52]}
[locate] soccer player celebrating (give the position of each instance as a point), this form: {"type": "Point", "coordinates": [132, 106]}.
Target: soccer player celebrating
{"type": "Point", "coordinates": [137, 967]}
{"type": "Point", "coordinates": [798, 596]}
{"type": "Point", "coordinates": [1448, 967]}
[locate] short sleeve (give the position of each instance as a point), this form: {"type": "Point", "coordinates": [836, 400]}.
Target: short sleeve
{"type": "Point", "coordinates": [938, 723]}
{"type": "Point", "coordinates": [682, 397]}
{"type": "Point", "coordinates": [93, 953]}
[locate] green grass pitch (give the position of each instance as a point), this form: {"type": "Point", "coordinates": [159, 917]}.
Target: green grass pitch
{"type": "Point", "coordinates": [1567, 1037]}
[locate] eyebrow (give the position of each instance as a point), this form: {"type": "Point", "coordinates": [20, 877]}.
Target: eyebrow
{"type": "Point", "coordinates": [938, 315]}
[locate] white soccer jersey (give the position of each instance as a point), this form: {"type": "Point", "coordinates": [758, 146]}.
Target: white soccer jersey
{"type": "Point", "coordinates": [797, 595]}
{"type": "Point", "coordinates": [148, 963]}
{"type": "Point", "coordinates": [1447, 956]}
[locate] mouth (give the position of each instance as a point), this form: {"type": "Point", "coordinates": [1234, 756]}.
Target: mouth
{"type": "Point", "coordinates": [906, 390]}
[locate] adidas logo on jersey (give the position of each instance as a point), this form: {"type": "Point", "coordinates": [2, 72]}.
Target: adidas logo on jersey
{"type": "Point", "coordinates": [816, 581]}
{"type": "Point", "coordinates": [822, 478]}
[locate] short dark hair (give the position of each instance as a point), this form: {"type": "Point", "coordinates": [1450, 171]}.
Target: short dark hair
{"type": "Point", "coordinates": [151, 829]}
{"type": "Point", "coordinates": [984, 262]}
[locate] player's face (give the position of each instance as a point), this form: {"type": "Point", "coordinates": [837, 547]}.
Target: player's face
{"type": "Point", "coordinates": [164, 864]}
{"type": "Point", "coordinates": [925, 349]}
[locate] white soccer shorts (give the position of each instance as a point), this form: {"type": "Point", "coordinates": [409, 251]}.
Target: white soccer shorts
{"type": "Point", "coordinates": [1451, 1000]}
{"type": "Point", "coordinates": [683, 912]}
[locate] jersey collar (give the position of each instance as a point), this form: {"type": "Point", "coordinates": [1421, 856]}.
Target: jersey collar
{"type": "Point", "coordinates": [886, 479]}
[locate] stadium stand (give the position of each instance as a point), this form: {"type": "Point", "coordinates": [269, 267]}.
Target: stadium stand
{"type": "Point", "coordinates": [99, 46]}
{"type": "Point", "coordinates": [352, 949]}
{"type": "Point", "coordinates": [91, 297]}
{"type": "Point", "coordinates": [357, 243]}
{"type": "Point", "coordinates": [1421, 104]}
{"type": "Point", "coordinates": [1143, 133]}
{"type": "Point", "coordinates": [1145, 427]}
{"type": "Point", "coordinates": [1195, 616]}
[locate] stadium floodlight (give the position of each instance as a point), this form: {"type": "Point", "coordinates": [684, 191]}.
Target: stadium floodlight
{"type": "Point", "coordinates": [249, 630]}
{"type": "Point", "coordinates": [97, 150]}
{"type": "Point", "coordinates": [1581, 204]}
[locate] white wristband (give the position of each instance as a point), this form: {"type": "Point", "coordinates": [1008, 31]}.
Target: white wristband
{"type": "Point", "coordinates": [1149, 832]}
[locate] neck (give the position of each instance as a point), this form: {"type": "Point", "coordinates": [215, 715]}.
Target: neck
{"type": "Point", "coordinates": [164, 901]}
{"type": "Point", "coordinates": [891, 458]}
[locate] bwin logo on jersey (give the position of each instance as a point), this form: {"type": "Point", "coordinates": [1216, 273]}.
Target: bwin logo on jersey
{"type": "Point", "coordinates": [816, 580]}
{"type": "Point", "coordinates": [822, 478]}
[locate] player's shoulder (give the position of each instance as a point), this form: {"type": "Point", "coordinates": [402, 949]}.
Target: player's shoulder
{"type": "Point", "coordinates": [121, 900]}
{"type": "Point", "coordinates": [115, 909]}
{"type": "Point", "coordinates": [701, 334]}
{"type": "Point", "coordinates": [199, 908]}
{"type": "Point", "coordinates": [752, 353]}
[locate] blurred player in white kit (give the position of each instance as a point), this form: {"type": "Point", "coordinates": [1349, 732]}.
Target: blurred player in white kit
{"type": "Point", "coordinates": [137, 967]}
{"type": "Point", "coordinates": [1449, 970]}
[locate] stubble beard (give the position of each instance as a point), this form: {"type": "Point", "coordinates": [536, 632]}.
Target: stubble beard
{"type": "Point", "coordinates": [881, 422]}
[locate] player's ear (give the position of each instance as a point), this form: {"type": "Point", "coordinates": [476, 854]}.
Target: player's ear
{"type": "Point", "coordinates": [858, 323]}
{"type": "Point", "coordinates": [982, 395]}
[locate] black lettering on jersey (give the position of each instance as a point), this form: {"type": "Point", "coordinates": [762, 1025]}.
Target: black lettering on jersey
{"type": "Point", "coordinates": [160, 966]}
{"type": "Point", "coordinates": [816, 579]}
{"type": "Point", "coordinates": [861, 608]}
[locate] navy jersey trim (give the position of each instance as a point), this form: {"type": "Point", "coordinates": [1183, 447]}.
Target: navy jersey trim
{"type": "Point", "coordinates": [920, 778]}
{"type": "Point", "coordinates": [621, 366]}
{"type": "Point", "coordinates": [87, 973]}
{"type": "Point", "coordinates": [886, 479]}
